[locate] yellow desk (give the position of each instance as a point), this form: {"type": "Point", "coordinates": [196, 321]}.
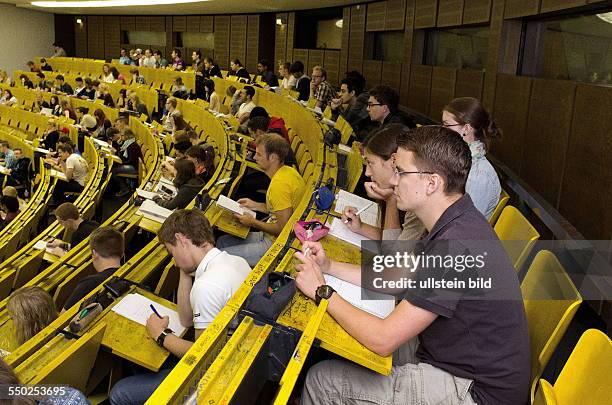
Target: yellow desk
{"type": "Point", "coordinates": [226, 222]}
{"type": "Point", "coordinates": [149, 225]}
{"type": "Point", "coordinates": [130, 340]}
{"type": "Point", "coordinates": [8, 340]}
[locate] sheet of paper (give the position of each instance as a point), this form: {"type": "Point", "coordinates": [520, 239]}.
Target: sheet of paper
{"type": "Point", "coordinates": [223, 181]}
{"type": "Point", "coordinates": [40, 245]}
{"type": "Point", "coordinates": [370, 216]}
{"type": "Point", "coordinates": [341, 231]}
{"type": "Point", "coordinates": [46, 111]}
{"type": "Point", "coordinates": [380, 305]}
{"type": "Point", "coordinates": [231, 205]}
{"type": "Point", "coordinates": [41, 150]}
{"type": "Point", "coordinates": [138, 308]}
{"type": "Point", "coordinates": [59, 175]}
{"type": "Point", "coordinates": [100, 142]}
{"type": "Point", "coordinates": [153, 211]}
{"type": "Point", "coordinates": [342, 148]}
{"type": "Point", "coordinates": [146, 194]}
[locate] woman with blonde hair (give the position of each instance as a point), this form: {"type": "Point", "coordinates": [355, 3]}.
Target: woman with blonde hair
{"type": "Point", "coordinates": [31, 309]}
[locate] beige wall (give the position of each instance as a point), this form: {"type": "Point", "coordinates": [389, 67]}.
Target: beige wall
{"type": "Point", "coordinates": [24, 35]}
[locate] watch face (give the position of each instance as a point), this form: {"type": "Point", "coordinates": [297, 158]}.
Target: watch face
{"type": "Point", "coordinates": [325, 291]}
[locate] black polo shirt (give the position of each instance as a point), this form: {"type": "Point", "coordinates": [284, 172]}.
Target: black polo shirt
{"type": "Point", "coordinates": [483, 337]}
{"type": "Point", "coordinates": [86, 285]}
{"type": "Point", "coordinates": [83, 231]}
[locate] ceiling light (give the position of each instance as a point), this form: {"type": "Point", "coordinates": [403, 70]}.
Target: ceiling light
{"type": "Point", "coordinates": [108, 3]}
{"type": "Point", "coordinates": [279, 21]}
{"type": "Point", "coordinates": [79, 21]}
{"type": "Point", "coordinates": [339, 23]}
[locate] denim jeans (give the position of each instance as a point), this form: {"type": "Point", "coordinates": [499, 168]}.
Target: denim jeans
{"type": "Point", "coordinates": [137, 388]}
{"type": "Point", "coordinates": [251, 249]}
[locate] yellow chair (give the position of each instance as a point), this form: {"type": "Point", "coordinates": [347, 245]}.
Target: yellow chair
{"type": "Point", "coordinates": [586, 376]}
{"type": "Point", "coordinates": [551, 300]}
{"type": "Point", "coordinates": [517, 235]}
{"type": "Point", "coordinates": [503, 200]}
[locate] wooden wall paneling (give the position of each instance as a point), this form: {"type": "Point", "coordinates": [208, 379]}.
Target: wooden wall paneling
{"type": "Point", "coordinates": [443, 80]}
{"type": "Point", "coordinates": [357, 38]}
{"type": "Point", "coordinates": [510, 112]}
{"type": "Point", "coordinates": [391, 75]}
{"type": "Point", "coordinates": [315, 58]}
{"type": "Point", "coordinates": [179, 23]}
{"type": "Point", "coordinates": [169, 36]}
{"type": "Point", "coordinates": [157, 23]}
{"type": "Point", "coordinates": [64, 33]}
{"type": "Point", "coordinates": [280, 40]}
{"type": "Point", "coordinates": [425, 13]}
{"type": "Point", "coordinates": [290, 34]}
{"type": "Point", "coordinates": [586, 195]}
{"type": "Point", "coordinates": [407, 65]}
{"type": "Point", "coordinates": [521, 8]}
{"type": "Point", "coordinates": [222, 40]}
{"type": "Point", "coordinates": [476, 11]}
{"type": "Point", "coordinates": [395, 16]}
{"type": "Point", "coordinates": [548, 125]}
{"type": "Point", "coordinates": [128, 23]}
{"type": "Point", "coordinates": [302, 56]}
{"type": "Point", "coordinates": [469, 83]}
{"type": "Point", "coordinates": [252, 45]}
{"type": "Point", "coordinates": [207, 23]}
{"type": "Point", "coordinates": [112, 37]}
{"type": "Point", "coordinates": [494, 52]}
{"type": "Point", "coordinates": [238, 34]}
{"type": "Point", "coordinates": [142, 23]}
{"type": "Point", "coordinates": [80, 37]}
{"type": "Point", "coordinates": [450, 13]}
{"type": "Point", "coordinates": [375, 16]}
{"type": "Point", "coordinates": [95, 37]}
{"type": "Point", "coordinates": [192, 23]}
{"type": "Point", "coordinates": [555, 5]}
{"type": "Point", "coordinates": [372, 71]}
{"type": "Point", "coordinates": [346, 23]}
{"type": "Point", "coordinates": [420, 86]}
{"type": "Point", "coordinates": [331, 63]}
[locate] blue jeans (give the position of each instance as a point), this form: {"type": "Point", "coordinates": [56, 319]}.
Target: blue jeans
{"type": "Point", "coordinates": [251, 249]}
{"type": "Point", "coordinates": [137, 388]}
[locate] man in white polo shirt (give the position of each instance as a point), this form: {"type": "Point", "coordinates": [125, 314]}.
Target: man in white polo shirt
{"type": "Point", "coordinates": [188, 236]}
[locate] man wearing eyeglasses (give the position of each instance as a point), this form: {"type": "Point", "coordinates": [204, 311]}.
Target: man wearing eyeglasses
{"type": "Point", "coordinates": [320, 89]}
{"type": "Point", "coordinates": [456, 348]}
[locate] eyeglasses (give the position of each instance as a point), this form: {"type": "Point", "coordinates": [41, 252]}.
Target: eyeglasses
{"type": "Point", "coordinates": [402, 172]}
{"type": "Point", "coordinates": [370, 105]}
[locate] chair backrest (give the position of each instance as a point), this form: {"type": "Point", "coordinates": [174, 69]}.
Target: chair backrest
{"type": "Point", "coordinates": [551, 300]}
{"type": "Point", "coordinates": [501, 204]}
{"type": "Point", "coordinates": [517, 235]}
{"type": "Point", "coordinates": [586, 376]}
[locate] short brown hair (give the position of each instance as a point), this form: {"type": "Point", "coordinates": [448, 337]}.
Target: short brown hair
{"type": "Point", "coordinates": [67, 211]}
{"type": "Point", "coordinates": [65, 147]}
{"type": "Point", "coordinates": [274, 144]}
{"type": "Point", "coordinates": [107, 242]}
{"type": "Point", "coordinates": [190, 222]}
{"type": "Point", "coordinates": [442, 151]}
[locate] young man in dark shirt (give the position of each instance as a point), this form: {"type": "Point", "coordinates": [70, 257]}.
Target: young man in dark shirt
{"type": "Point", "coordinates": [67, 214]}
{"type": "Point", "coordinates": [471, 348]}
{"type": "Point", "coordinates": [107, 247]}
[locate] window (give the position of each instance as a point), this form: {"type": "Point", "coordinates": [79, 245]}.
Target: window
{"type": "Point", "coordinates": [387, 46]}
{"type": "Point", "coordinates": [461, 48]}
{"type": "Point", "coordinates": [318, 29]}
{"type": "Point", "coordinates": [575, 48]}
{"type": "Point", "coordinates": [152, 38]}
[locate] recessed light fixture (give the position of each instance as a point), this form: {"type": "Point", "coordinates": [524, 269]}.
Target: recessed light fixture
{"type": "Point", "coordinates": [279, 21]}
{"type": "Point", "coordinates": [108, 3]}
{"type": "Point", "coordinates": [79, 21]}
{"type": "Point", "coordinates": [339, 23]}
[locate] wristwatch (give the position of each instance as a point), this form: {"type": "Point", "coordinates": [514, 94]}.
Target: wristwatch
{"type": "Point", "coordinates": [162, 336]}
{"type": "Point", "coordinates": [323, 292]}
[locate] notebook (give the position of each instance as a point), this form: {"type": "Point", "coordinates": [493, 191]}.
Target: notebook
{"type": "Point", "coordinates": [46, 111]}
{"type": "Point", "coordinates": [232, 206]}
{"type": "Point", "coordinates": [137, 308]}
{"type": "Point", "coordinates": [146, 194]}
{"type": "Point", "coordinates": [59, 175]}
{"type": "Point", "coordinates": [380, 305]}
{"type": "Point", "coordinates": [371, 216]}
{"type": "Point", "coordinates": [341, 231]}
{"type": "Point", "coordinates": [153, 211]}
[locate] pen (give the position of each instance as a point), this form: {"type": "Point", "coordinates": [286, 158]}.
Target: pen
{"type": "Point", "coordinates": [306, 252]}
{"type": "Point", "coordinates": [359, 212]}
{"type": "Point", "coordinates": [155, 311]}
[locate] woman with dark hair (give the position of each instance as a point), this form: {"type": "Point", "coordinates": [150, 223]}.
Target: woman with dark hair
{"type": "Point", "coordinates": [26, 82]}
{"type": "Point", "coordinates": [130, 154]}
{"type": "Point", "coordinates": [102, 124]}
{"type": "Point", "coordinates": [379, 154]}
{"type": "Point", "coordinates": [468, 117]}
{"type": "Point", "coordinates": [107, 75]}
{"type": "Point", "coordinates": [67, 109]}
{"type": "Point", "coordinates": [118, 76]}
{"type": "Point", "coordinates": [203, 157]}
{"type": "Point", "coordinates": [51, 136]}
{"type": "Point", "coordinates": [105, 95]}
{"type": "Point", "coordinates": [187, 184]}
{"type": "Point", "coordinates": [55, 106]}
{"type": "Point", "coordinates": [8, 98]}
{"type": "Point", "coordinates": [210, 95]}
{"type": "Point", "coordinates": [10, 207]}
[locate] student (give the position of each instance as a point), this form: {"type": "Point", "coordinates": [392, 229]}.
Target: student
{"type": "Point", "coordinates": [203, 157]}
{"type": "Point", "coordinates": [51, 136]}
{"type": "Point", "coordinates": [275, 124]}
{"type": "Point", "coordinates": [320, 89]}
{"type": "Point", "coordinates": [131, 155]}
{"type": "Point", "coordinates": [238, 70]}
{"type": "Point", "coordinates": [244, 112]}
{"type": "Point", "coordinates": [58, 51]}
{"type": "Point", "coordinates": [137, 78]}
{"type": "Point", "coordinates": [107, 248]}
{"type": "Point", "coordinates": [302, 84]}
{"type": "Point", "coordinates": [9, 204]}
{"type": "Point", "coordinates": [102, 124]}
{"type": "Point", "coordinates": [107, 74]}
{"type": "Point", "coordinates": [55, 106]}
{"type": "Point", "coordinates": [32, 309]}
{"type": "Point", "coordinates": [74, 167]}
{"type": "Point", "coordinates": [267, 75]}
{"type": "Point", "coordinates": [160, 61]}
{"type": "Point", "coordinates": [211, 69]}
{"type": "Point", "coordinates": [62, 87]}
{"type": "Point", "coordinates": [282, 198]}
{"type": "Point", "coordinates": [9, 161]}
{"type": "Point", "coordinates": [32, 67]}
{"type": "Point", "coordinates": [80, 86]}
{"type": "Point", "coordinates": [236, 101]}
{"type": "Point", "coordinates": [26, 82]}
{"type": "Point", "coordinates": [148, 60]}
{"type": "Point", "coordinates": [124, 58]}
{"type": "Point", "coordinates": [68, 216]}
{"type": "Point", "coordinates": [288, 81]}
{"type": "Point", "coordinates": [171, 113]}
{"type": "Point", "coordinates": [7, 98]}
{"type": "Point", "coordinates": [179, 90]}
{"type": "Point", "coordinates": [379, 155]}
{"type": "Point", "coordinates": [177, 61]}
{"type": "Point", "coordinates": [67, 110]}
{"type": "Point", "coordinates": [211, 96]}
{"type": "Point", "coordinates": [187, 184]}
{"type": "Point", "coordinates": [20, 174]}
{"type": "Point", "coordinates": [118, 76]}
{"type": "Point", "coordinates": [105, 95]}
{"type": "Point", "coordinates": [134, 104]}
{"type": "Point", "coordinates": [208, 279]}
{"type": "Point", "coordinates": [44, 66]}
{"type": "Point", "coordinates": [349, 104]}
{"type": "Point", "coordinates": [468, 117]}
{"type": "Point", "coordinates": [88, 93]}
{"type": "Point", "coordinates": [471, 349]}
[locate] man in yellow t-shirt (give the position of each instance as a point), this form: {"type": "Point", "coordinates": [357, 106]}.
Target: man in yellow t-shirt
{"type": "Point", "coordinates": [283, 196]}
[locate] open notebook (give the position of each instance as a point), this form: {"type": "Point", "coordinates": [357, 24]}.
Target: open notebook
{"type": "Point", "coordinates": [370, 216]}
{"type": "Point", "coordinates": [342, 232]}
{"type": "Point", "coordinates": [138, 308]}
{"type": "Point", "coordinates": [153, 211]}
{"type": "Point", "coordinates": [232, 206]}
{"type": "Point", "coordinates": [379, 304]}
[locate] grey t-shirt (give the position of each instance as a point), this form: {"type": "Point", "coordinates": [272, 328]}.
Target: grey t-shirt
{"type": "Point", "coordinates": [483, 338]}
